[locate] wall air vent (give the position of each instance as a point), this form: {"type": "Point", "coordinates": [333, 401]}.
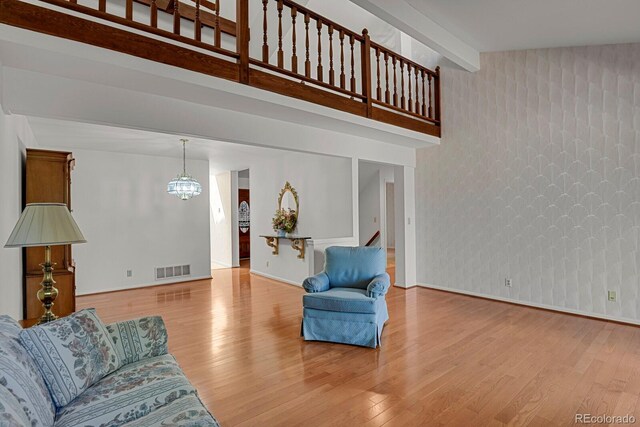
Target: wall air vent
{"type": "Point", "coordinates": [164, 273]}
{"type": "Point", "coordinates": [168, 272]}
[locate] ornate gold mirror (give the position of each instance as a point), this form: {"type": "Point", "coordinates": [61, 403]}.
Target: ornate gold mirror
{"type": "Point", "coordinates": [288, 199]}
{"type": "Point", "coordinates": [288, 210]}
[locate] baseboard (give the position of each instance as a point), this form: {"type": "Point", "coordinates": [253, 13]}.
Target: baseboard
{"type": "Point", "coordinates": [149, 285]}
{"type": "Point", "coordinates": [535, 305]}
{"type": "Point", "coordinates": [401, 286]}
{"type": "Point", "coordinates": [221, 264]}
{"type": "Point", "coordinates": [279, 279]}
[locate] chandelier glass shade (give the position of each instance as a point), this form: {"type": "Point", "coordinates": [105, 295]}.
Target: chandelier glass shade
{"type": "Point", "coordinates": [184, 186]}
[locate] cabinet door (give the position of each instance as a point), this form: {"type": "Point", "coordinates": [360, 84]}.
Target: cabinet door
{"type": "Point", "coordinates": [48, 179]}
{"type": "Point", "coordinates": [62, 306]}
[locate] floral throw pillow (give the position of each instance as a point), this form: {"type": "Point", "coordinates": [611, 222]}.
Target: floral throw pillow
{"type": "Point", "coordinates": [72, 353]}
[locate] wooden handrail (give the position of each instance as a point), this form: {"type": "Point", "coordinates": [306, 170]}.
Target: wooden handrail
{"type": "Point", "coordinates": [337, 67]}
{"type": "Point", "coordinates": [422, 86]}
{"type": "Point", "coordinates": [373, 238]}
{"type": "Point", "coordinates": [207, 18]}
{"type": "Point", "coordinates": [305, 79]}
{"type": "Point", "coordinates": [404, 58]}
{"type": "Point", "coordinates": [315, 16]}
{"type": "Point", "coordinates": [133, 24]}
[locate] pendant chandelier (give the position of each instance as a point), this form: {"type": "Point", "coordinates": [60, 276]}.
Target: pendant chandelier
{"type": "Point", "coordinates": [184, 186]}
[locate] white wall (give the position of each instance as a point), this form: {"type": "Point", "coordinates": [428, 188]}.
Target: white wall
{"type": "Point", "coordinates": [369, 204]}
{"type": "Point", "coordinates": [372, 212]}
{"type": "Point", "coordinates": [390, 219]}
{"type": "Point", "coordinates": [130, 222]}
{"type": "Point", "coordinates": [244, 181]}
{"type": "Point", "coordinates": [11, 161]}
{"type": "Point", "coordinates": [324, 188]}
{"type": "Point", "coordinates": [537, 179]}
{"type": "Point", "coordinates": [221, 216]}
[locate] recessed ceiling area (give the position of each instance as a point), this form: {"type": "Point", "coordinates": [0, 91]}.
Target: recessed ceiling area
{"type": "Point", "coordinates": [61, 134]}
{"type": "Point", "coordinates": [498, 25]}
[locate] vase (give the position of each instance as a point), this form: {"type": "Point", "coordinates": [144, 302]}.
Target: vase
{"type": "Point", "coordinates": [281, 233]}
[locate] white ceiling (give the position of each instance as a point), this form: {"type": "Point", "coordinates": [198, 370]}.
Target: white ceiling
{"type": "Point", "coordinates": [60, 134]}
{"type": "Point", "coordinates": [496, 25]}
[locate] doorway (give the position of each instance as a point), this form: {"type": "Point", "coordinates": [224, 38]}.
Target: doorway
{"type": "Point", "coordinates": [390, 226]}
{"type": "Point", "coordinates": [244, 216]}
{"type": "Point", "coordinates": [244, 229]}
{"type": "Point", "coordinates": [377, 208]}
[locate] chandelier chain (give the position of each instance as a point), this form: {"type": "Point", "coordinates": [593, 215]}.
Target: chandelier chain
{"type": "Point", "coordinates": [184, 156]}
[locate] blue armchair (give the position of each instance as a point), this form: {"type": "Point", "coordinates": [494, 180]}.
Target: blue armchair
{"type": "Point", "coordinates": [346, 303]}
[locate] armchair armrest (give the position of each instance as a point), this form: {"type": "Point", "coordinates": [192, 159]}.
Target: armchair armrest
{"type": "Point", "coordinates": [317, 283]}
{"type": "Point", "coordinates": [379, 286]}
{"type": "Point", "coordinates": [139, 339]}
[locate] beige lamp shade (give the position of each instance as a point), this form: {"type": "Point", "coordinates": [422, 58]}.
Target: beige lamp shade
{"type": "Point", "coordinates": [45, 224]}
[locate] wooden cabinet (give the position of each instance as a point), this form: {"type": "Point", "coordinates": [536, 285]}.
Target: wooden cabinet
{"type": "Point", "coordinates": [48, 179]}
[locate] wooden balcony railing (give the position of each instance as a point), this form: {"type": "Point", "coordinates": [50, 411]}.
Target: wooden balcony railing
{"type": "Point", "coordinates": [295, 52]}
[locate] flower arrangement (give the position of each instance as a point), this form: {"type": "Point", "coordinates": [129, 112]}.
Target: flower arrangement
{"type": "Point", "coordinates": [285, 220]}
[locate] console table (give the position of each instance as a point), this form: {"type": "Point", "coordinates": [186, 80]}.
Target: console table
{"type": "Point", "coordinates": [297, 242]}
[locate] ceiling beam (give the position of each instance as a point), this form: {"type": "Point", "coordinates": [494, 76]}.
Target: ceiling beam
{"type": "Point", "coordinates": [407, 19]}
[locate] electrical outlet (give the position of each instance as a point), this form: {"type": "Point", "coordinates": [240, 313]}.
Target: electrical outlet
{"type": "Point", "coordinates": [507, 283]}
{"type": "Point", "coordinates": [129, 273]}
{"type": "Point", "coordinates": [267, 263]}
{"type": "Point", "coordinates": [611, 296]}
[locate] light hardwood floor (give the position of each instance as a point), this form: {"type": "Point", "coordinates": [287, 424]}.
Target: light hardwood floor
{"type": "Point", "coordinates": [446, 359]}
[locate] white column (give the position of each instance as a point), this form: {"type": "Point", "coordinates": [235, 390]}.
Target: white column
{"type": "Point", "coordinates": [355, 188]}
{"type": "Point", "coordinates": [405, 208]}
{"type": "Point", "coordinates": [10, 208]}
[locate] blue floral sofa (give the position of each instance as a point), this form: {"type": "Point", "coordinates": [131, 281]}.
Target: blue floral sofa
{"type": "Point", "coordinates": [76, 371]}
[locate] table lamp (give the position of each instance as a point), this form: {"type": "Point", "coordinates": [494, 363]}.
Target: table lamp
{"type": "Point", "coordinates": [45, 224]}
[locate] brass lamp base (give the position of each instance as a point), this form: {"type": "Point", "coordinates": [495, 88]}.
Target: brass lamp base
{"type": "Point", "coordinates": [48, 293]}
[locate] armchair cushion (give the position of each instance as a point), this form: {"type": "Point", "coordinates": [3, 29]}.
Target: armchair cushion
{"type": "Point", "coordinates": [317, 283]}
{"type": "Point", "coordinates": [379, 286]}
{"type": "Point", "coordinates": [347, 300]}
{"type": "Point", "coordinates": [139, 339]}
{"type": "Point", "coordinates": [72, 353]}
{"type": "Point", "coordinates": [354, 267]}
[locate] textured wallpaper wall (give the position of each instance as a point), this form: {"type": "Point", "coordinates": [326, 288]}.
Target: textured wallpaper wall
{"type": "Point", "coordinates": [537, 179]}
